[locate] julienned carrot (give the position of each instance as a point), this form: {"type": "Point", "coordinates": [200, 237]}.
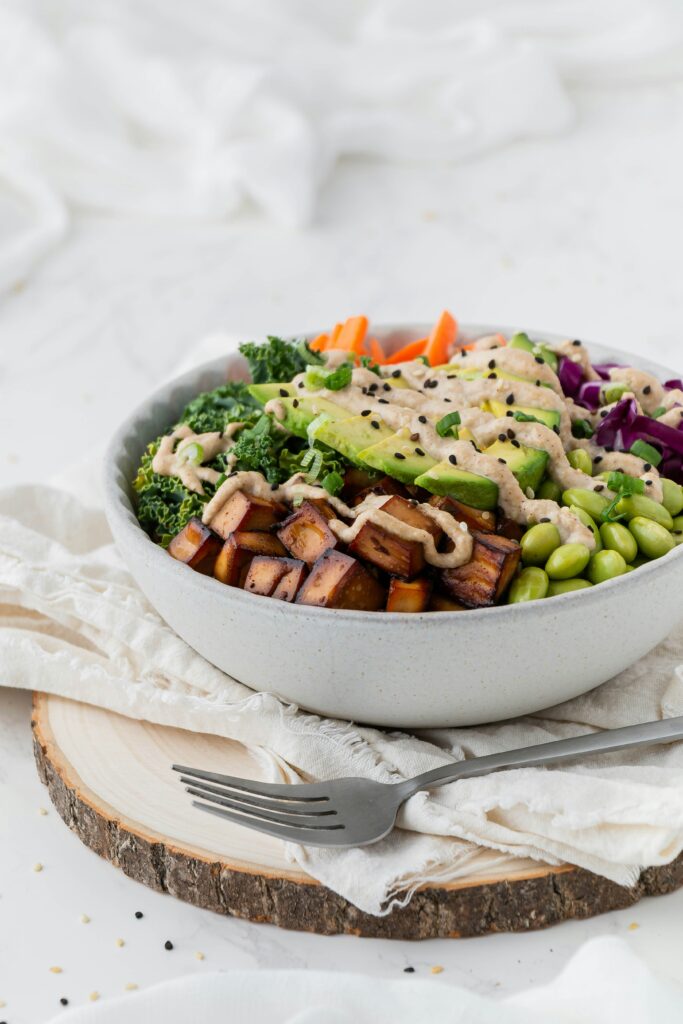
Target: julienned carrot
{"type": "Point", "coordinates": [334, 336]}
{"type": "Point", "coordinates": [410, 351]}
{"type": "Point", "coordinates": [376, 351]}
{"type": "Point", "coordinates": [320, 343]}
{"type": "Point", "coordinates": [352, 334]}
{"type": "Point", "coordinates": [442, 337]}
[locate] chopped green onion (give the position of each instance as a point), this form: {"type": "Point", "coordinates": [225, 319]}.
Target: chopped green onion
{"type": "Point", "coordinates": [659, 411]}
{"type": "Point", "coordinates": [646, 452]}
{"type": "Point", "coordinates": [333, 380]}
{"type": "Point", "coordinates": [312, 462]}
{"type": "Point", "coordinates": [191, 452]}
{"type": "Point", "coordinates": [316, 424]}
{"type": "Point", "coordinates": [523, 417]}
{"type": "Point", "coordinates": [368, 363]}
{"type": "Point", "coordinates": [612, 393]}
{"type": "Point", "coordinates": [582, 428]}
{"type": "Point", "coordinates": [609, 514]}
{"type": "Point", "coordinates": [308, 355]}
{"type": "Point", "coordinates": [625, 484]}
{"type": "Point", "coordinates": [445, 425]}
{"type": "Point", "coordinates": [423, 359]}
{"type": "Point", "coordinates": [333, 482]}
{"type": "Point", "coordinates": [221, 480]}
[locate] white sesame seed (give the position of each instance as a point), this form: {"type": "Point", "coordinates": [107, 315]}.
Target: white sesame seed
{"type": "Point", "coordinates": [85, 919]}
{"type": "Point", "coordinates": [55, 970]}
{"type": "Point", "coordinates": [94, 996]}
{"type": "Point", "coordinates": [38, 866]}
{"type": "Point", "coordinates": [42, 810]}
{"type": "Point", "coordinates": [199, 956]}
{"type": "Point", "coordinates": [120, 942]}
{"type": "Point", "coordinates": [131, 986]}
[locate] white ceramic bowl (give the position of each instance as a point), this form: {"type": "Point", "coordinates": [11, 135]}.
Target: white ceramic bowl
{"type": "Point", "coordinates": [407, 671]}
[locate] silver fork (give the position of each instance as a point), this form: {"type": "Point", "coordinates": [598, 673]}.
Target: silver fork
{"type": "Point", "coordinates": [356, 812]}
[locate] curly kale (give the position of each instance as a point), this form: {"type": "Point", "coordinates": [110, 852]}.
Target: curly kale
{"type": "Point", "coordinates": [214, 410]}
{"type": "Point", "coordinates": [278, 360]}
{"type": "Point", "coordinates": [164, 504]}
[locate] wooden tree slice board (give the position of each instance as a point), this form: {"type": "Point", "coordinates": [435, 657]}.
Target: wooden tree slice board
{"type": "Point", "coordinates": [109, 778]}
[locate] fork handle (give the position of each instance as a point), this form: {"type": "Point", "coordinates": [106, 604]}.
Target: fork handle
{"type": "Point", "coordinates": [646, 734]}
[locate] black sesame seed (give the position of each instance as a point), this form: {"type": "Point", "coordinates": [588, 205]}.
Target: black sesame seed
{"type": "Point", "coordinates": [501, 437]}
{"type": "Point", "coordinates": [492, 363]}
{"type": "Point", "coordinates": [509, 413]}
{"type": "Point", "coordinates": [510, 399]}
{"type": "Point", "coordinates": [538, 383]}
{"type": "Point", "coordinates": [283, 392]}
{"type": "Point", "coordinates": [504, 463]}
{"type": "Point", "coordinates": [452, 459]}
{"type": "Point", "coordinates": [544, 519]}
{"type": "Point", "coordinates": [620, 469]}
{"type": "Point", "coordinates": [462, 353]}
{"type": "Point", "coordinates": [387, 387]}
{"type": "Point", "coordinates": [603, 413]}
{"type": "Point", "coordinates": [414, 437]}
{"type": "Point", "coordinates": [648, 483]}
{"type": "Point", "coordinates": [396, 373]}
{"type": "Point", "coordinates": [168, 944]}
{"type": "Point", "coordinates": [399, 455]}
{"type": "Point", "coordinates": [677, 532]}
{"type": "Point", "coordinates": [383, 401]}
{"type": "Point", "coordinates": [492, 376]}
{"type": "Point", "coordinates": [556, 429]}
{"type": "Point", "coordinates": [422, 419]}
{"type": "Point", "coordinates": [539, 359]}
{"type": "Point", "coordinates": [373, 387]}
{"type": "Point", "coordinates": [647, 467]}
{"type": "Point", "coordinates": [511, 433]}
{"type": "Point", "coordinates": [375, 424]}
{"type": "Point", "coordinates": [647, 389]}
{"type": "Point", "coordinates": [576, 341]}
{"type": "Point", "coordinates": [609, 448]}
{"type": "Point", "coordinates": [418, 451]}
{"type": "Point", "coordinates": [300, 384]}
{"type": "Point", "coordinates": [366, 412]}
{"type": "Point", "coordinates": [598, 458]}
{"type": "Point", "coordinates": [515, 443]}
{"type": "Point", "coordinates": [447, 399]}
{"type": "Point", "coordinates": [273, 487]}
{"type": "Point", "coordinates": [138, 914]}
{"type": "Point", "coordinates": [295, 403]}
{"type": "Point", "coordinates": [409, 970]}
{"type": "Point", "coordinates": [64, 1001]}
{"type": "Point", "coordinates": [364, 391]}
{"type": "Point", "coordinates": [599, 487]}
{"type": "Point", "coordinates": [451, 376]}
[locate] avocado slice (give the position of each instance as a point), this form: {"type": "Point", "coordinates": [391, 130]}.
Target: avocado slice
{"type": "Point", "coordinates": [469, 488]}
{"type": "Point", "coordinates": [265, 392]}
{"type": "Point", "coordinates": [527, 464]}
{"type": "Point", "coordinates": [549, 417]}
{"type": "Point", "coordinates": [397, 456]}
{"type": "Point", "coordinates": [522, 340]}
{"type": "Point", "coordinates": [299, 416]}
{"type": "Point", "coordinates": [350, 436]}
{"type": "Point", "coordinates": [477, 374]}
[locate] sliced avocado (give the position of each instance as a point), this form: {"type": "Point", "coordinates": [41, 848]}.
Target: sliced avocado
{"type": "Point", "coordinates": [350, 436]}
{"type": "Point", "coordinates": [549, 417]}
{"type": "Point", "coordinates": [476, 374]}
{"type": "Point", "coordinates": [265, 392]}
{"type": "Point", "coordinates": [521, 340]}
{"type": "Point", "coordinates": [300, 412]}
{"type": "Point", "coordinates": [397, 456]}
{"type": "Point", "coordinates": [527, 464]}
{"type": "Point", "coordinates": [470, 488]}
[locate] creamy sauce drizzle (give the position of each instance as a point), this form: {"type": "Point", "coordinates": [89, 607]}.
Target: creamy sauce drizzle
{"type": "Point", "coordinates": [170, 460]}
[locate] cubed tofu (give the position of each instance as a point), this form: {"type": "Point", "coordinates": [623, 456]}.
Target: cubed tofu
{"type": "Point", "coordinates": [339, 581]}
{"type": "Point", "coordinates": [291, 583]}
{"type": "Point", "coordinates": [305, 533]}
{"type": "Point", "coordinates": [388, 551]}
{"type": "Point", "coordinates": [385, 485]}
{"type": "Point", "coordinates": [237, 552]}
{"type": "Point", "coordinates": [264, 574]}
{"type": "Point", "coordinates": [409, 596]}
{"type": "Point", "coordinates": [409, 513]}
{"type": "Point", "coordinates": [356, 480]}
{"type": "Point", "coordinates": [439, 603]}
{"type": "Point", "coordinates": [196, 545]}
{"type": "Point", "coordinates": [245, 512]}
{"type": "Point", "coordinates": [475, 518]}
{"type": "Point", "coordinates": [509, 528]}
{"type": "Point", "coordinates": [483, 580]}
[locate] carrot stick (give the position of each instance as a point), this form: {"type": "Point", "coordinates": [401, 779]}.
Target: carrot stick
{"type": "Point", "coordinates": [441, 339]}
{"type": "Point", "coordinates": [334, 336]}
{"type": "Point", "coordinates": [352, 334]}
{"type": "Point", "coordinates": [376, 351]}
{"type": "Point", "coordinates": [410, 351]}
{"type": "Point", "coordinates": [320, 343]}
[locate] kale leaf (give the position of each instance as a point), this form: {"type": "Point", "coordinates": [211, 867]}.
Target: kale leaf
{"type": "Point", "coordinates": [214, 410]}
{"type": "Point", "coordinates": [164, 504]}
{"type": "Point", "coordinates": [277, 360]}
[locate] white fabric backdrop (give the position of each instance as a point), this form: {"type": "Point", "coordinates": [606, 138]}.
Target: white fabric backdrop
{"type": "Point", "coordinates": [162, 108]}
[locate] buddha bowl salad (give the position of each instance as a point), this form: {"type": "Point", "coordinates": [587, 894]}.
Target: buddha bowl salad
{"type": "Point", "coordinates": [449, 475]}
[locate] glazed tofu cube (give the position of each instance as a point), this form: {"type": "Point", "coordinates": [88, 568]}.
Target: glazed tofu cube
{"type": "Point", "coordinates": [196, 545]}
{"type": "Point", "coordinates": [439, 603]}
{"type": "Point", "coordinates": [238, 551]}
{"type": "Point", "coordinates": [407, 512]}
{"type": "Point", "coordinates": [291, 583]}
{"type": "Point", "coordinates": [409, 596]}
{"type": "Point", "coordinates": [305, 533]}
{"type": "Point", "coordinates": [244, 512]}
{"type": "Point", "coordinates": [264, 574]}
{"type": "Point", "coordinates": [356, 480]}
{"type": "Point", "coordinates": [339, 581]}
{"type": "Point", "coordinates": [388, 551]}
{"type": "Point", "coordinates": [484, 579]}
{"type": "Point", "coordinates": [385, 485]}
{"type": "Point", "coordinates": [474, 517]}
{"type": "Point", "coordinates": [509, 528]}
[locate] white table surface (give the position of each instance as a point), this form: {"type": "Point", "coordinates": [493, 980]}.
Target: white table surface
{"type": "Point", "coordinates": [579, 234]}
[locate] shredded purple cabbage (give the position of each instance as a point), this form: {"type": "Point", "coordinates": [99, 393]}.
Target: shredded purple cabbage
{"type": "Point", "coordinates": [673, 385]}
{"type": "Point", "coordinates": [613, 431]}
{"type": "Point", "coordinates": [570, 375]}
{"type": "Point", "coordinates": [588, 394]}
{"type": "Point", "coordinates": [603, 369]}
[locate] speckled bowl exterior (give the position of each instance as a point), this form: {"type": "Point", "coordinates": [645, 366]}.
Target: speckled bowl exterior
{"type": "Point", "coordinates": [393, 670]}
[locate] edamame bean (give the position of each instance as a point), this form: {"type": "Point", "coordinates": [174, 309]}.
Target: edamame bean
{"type": "Point", "coordinates": [616, 537]}
{"type": "Point", "coordinates": [556, 587]}
{"type": "Point", "coordinates": [530, 585]}
{"type": "Point", "coordinates": [566, 561]}
{"type": "Point", "coordinates": [580, 459]}
{"type": "Point", "coordinates": [605, 565]}
{"type": "Point", "coordinates": [549, 491]}
{"type": "Point", "coordinates": [632, 505]}
{"type": "Point", "coordinates": [672, 496]}
{"type": "Point", "coordinates": [654, 540]}
{"type": "Point", "coordinates": [592, 503]}
{"type": "Point", "coordinates": [539, 542]}
{"type": "Point", "coordinates": [630, 568]}
{"type": "Point", "coordinates": [588, 521]}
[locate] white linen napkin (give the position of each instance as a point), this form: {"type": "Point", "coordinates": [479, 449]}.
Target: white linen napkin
{"type": "Point", "coordinates": [604, 983]}
{"type": "Point", "coordinates": [72, 617]}
{"type": "Point", "coordinates": [176, 110]}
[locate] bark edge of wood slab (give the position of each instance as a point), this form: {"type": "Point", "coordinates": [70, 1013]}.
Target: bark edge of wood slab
{"type": "Point", "coordinates": [539, 898]}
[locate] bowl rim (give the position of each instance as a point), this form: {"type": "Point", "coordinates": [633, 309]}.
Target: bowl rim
{"type": "Point", "coordinates": [120, 510]}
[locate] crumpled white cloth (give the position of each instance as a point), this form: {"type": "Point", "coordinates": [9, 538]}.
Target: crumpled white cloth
{"type": "Point", "coordinates": [169, 109]}
{"type": "Point", "coordinates": [603, 983]}
{"type": "Point", "coordinates": [72, 617]}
